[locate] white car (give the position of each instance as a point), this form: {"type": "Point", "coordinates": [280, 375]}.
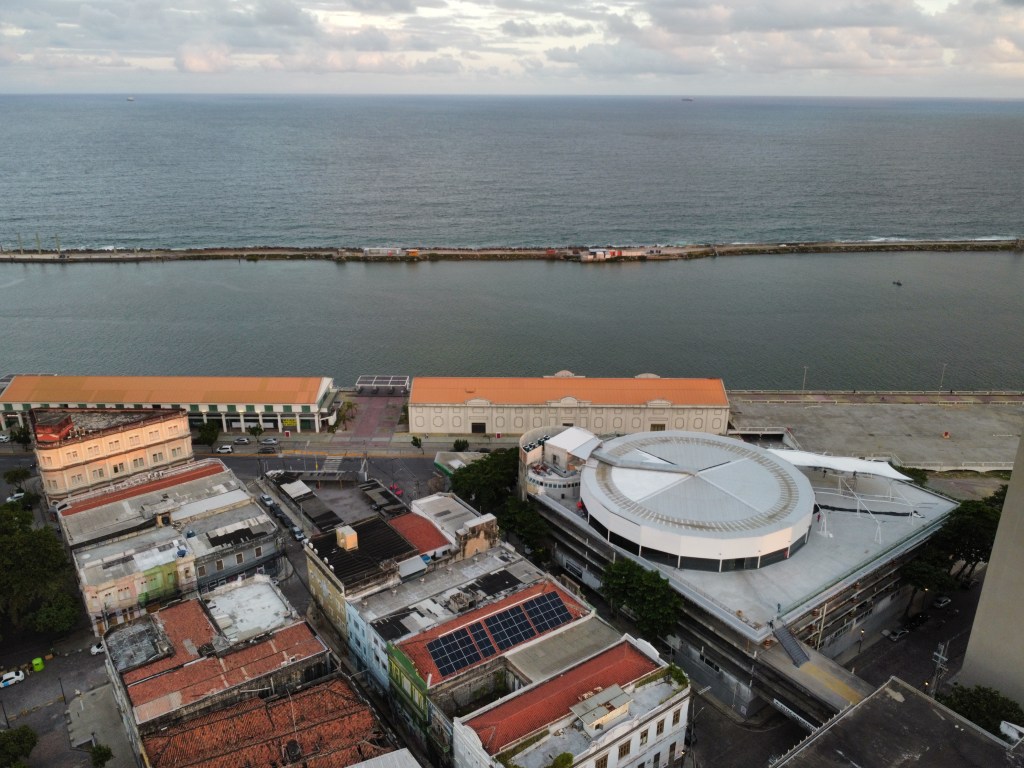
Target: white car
{"type": "Point", "coordinates": [97, 649]}
{"type": "Point", "coordinates": [268, 441]}
{"type": "Point", "coordinates": [5, 438]}
{"type": "Point", "coordinates": [225, 449]}
{"type": "Point", "coordinates": [10, 678]}
{"type": "Point", "coordinates": [266, 500]}
{"type": "Point", "coordinates": [15, 497]}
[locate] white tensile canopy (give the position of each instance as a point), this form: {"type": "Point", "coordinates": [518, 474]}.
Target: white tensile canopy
{"type": "Point", "coordinates": [838, 463]}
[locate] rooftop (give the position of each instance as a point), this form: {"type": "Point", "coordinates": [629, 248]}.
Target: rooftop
{"type": "Point", "coordinates": [539, 661]}
{"type": "Point", "coordinates": [900, 725]}
{"type": "Point", "coordinates": [378, 543]}
{"type": "Point", "coordinates": [330, 726]}
{"type": "Point", "coordinates": [183, 492]}
{"type": "Point", "coordinates": [420, 532]}
{"type": "Point", "coordinates": [446, 649]}
{"type": "Point", "coordinates": [541, 391]}
{"type": "Point", "coordinates": [533, 708]}
{"type": "Point", "coordinates": [180, 657]}
{"type": "Point", "coordinates": [448, 512]}
{"type": "Point", "coordinates": [85, 422]}
{"type": "Point", "coordinates": [226, 529]}
{"type": "Point", "coordinates": [109, 561]}
{"type": "Point", "coordinates": [113, 390]}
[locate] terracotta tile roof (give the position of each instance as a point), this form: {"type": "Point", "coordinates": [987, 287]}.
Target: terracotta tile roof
{"type": "Point", "coordinates": [420, 532]}
{"type": "Point", "coordinates": [539, 391]}
{"type": "Point", "coordinates": [205, 470]}
{"type": "Point", "coordinates": [332, 727]}
{"type": "Point", "coordinates": [416, 647]}
{"type": "Point", "coordinates": [507, 723]}
{"type": "Point", "coordinates": [186, 676]}
{"type": "Point", "coordinates": [111, 390]}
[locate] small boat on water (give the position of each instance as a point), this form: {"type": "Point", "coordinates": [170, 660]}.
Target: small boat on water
{"type": "Point", "coordinates": [131, 98]}
{"type": "Point", "coordinates": [897, 282]}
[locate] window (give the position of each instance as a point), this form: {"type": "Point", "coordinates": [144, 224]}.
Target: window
{"type": "Point", "coordinates": [77, 479]}
{"type": "Point", "coordinates": [175, 453]}
{"type": "Point", "coordinates": [232, 409]}
{"type": "Point", "coordinates": [675, 717]}
{"type": "Point", "coordinates": [623, 749]}
{"type": "Point", "coordinates": [287, 409]}
{"type": "Point", "coordinates": [305, 409]}
{"type": "Point", "coordinates": [213, 409]}
{"type": "Point", "coordinates": [173, 429]}
{"type": "Point", "coordinates": [250, 409]}
{"type": "Point", "coordinates": [657, 759]}
{"type": "Point", "coordinates": [119, 468]}
{"type": "Point", "coordinates": [643, 737]}
{"type": "Point", "coordinates": [601, 762]}
{"type": "Point", "coordinates": [657, 427]}
{"type": "Point", "coordinates": [220, 565]}
{"type": "Point", "coordinates": [138, 463]}
{"type": "Point", "coordinates": [72, 455]}
{"type": "Point", "coordinates": [94, 450]}
{"type": "Point", "coordinates": [661, 727]}
{"type": "Point", "coordinates": [200, 570]}
{"type": "Point", "coordinates": [259, 551]}
{"type": "Point", "coordinates": [157, 457]}
{"type": "Point", "coordinates": [239, 558]}
{"type": "Point", "coordinates": [154, 434]}
{"type": "Point", "coordinates": [97, 474]}
{"type": "Point", "coordinates": [134, 440]}
{"type": "Point", "coordinates": [52, 484]}
{"type": "Point", "coordinates": [193, 408]}
{"type": "Point", "coordinates": [268, 409]}
{"type": "Point", "coordinates": [47, 460]}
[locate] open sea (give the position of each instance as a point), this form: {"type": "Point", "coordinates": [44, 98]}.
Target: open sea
{"type": "Point", "coordinates": [195, 171]}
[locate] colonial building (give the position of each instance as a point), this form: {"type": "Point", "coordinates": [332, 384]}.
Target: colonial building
{"type": "Point", "coordinates": [512, 406]}
{"type": "Point", "coordinates": [82, 449]}
{"type": "Point", "coordinates": [232, 402]}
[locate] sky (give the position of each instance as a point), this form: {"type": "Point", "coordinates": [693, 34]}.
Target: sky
{"type": "Point", "coordinates": [857, 48]}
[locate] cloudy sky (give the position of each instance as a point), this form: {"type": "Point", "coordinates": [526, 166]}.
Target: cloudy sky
{"type": "Point", "coordinates": [970, 48]}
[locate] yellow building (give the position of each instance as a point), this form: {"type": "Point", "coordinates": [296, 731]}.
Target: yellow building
{"type": "Point", "coordinates": [495, 406]}
{"type": "Point", "coordinates": [79, 450]}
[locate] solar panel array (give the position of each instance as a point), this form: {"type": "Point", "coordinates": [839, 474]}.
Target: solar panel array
{"type": "Point", "coordinates": [464, 647]}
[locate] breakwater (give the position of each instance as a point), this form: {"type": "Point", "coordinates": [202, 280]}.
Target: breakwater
{"type": "Point", "coordinates": [614, 254]}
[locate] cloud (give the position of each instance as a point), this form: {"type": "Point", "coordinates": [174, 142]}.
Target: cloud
{"type": "Point", "coordinates": [205, 59]}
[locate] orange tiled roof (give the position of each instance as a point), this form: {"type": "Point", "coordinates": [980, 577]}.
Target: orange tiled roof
{"type": "Point", "coordinates": [333, 728]}
{"type": "Point", "coordinates": [110, 390]}
{"type": "Point", "coordinates": [540, 391]}
{"type": "Point", "coordinates": [207, 470]}
{"type": "Point", "coordinates": [419, 532]}
{"type": "Point", "coordinates": [416, 647]}
{"type": "Point", "coordinates": [507, 723]}
{"type": "Point", "coordinates": [186, 676]}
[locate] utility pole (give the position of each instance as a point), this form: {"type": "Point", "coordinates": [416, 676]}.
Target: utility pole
{"type": "Point", "coordinates": [942, 378]}
{"type": "Point", "coordinates": [940, 657]}
{"type": "Point", "coordinates": [803, 387]}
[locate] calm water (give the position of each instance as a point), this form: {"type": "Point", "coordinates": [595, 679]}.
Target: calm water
{"type": "Point", "coordinates": [755, 321]}
{"type": "Point", "coordinates": [98, 171]}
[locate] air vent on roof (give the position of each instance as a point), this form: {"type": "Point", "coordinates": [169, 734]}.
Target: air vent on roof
{"type": "Point", "coordinates": [293, 750]}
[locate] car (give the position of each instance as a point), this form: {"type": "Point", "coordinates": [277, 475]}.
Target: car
{"type": "Point", "coordinates": [917, 620]}
{"type": "Point", "coordinates": [483, 450]}
{"type": "Point", "coordinates": [97, 649]}
{"type": "Point", "coordinates": [241, 441]}
{"type": "Point", "coordinates": [5, 438]}
{"type": "Point", "coordinates": [942, 601]}
{"type": "Point", "coordinates": [10, 678]}
{"type": "Point", "coordinates": [298, 533]}
{"type": "Point", "coordinates": [267, 449]}
{"type": "Point", "coordinates": [268, 441]}
{"type": "Point", "coordinates": [14, 498]}
{"type": "Point", "coordinates": [266, 500]}
{"type": "Point", "coordinates": [225, 449]}
{"type": "Point", "coordinates": [898, 634]}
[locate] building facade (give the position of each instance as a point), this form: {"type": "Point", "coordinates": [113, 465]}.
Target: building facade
{"type": "Point", "coordinates": [82, 449]}
{"type": "Point", "coordinates": [512, 406]}
{"type": "Point", "coordinates": [303, 404]}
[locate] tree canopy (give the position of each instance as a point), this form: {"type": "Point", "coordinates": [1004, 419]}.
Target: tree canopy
{"type": "Point", "coordinates": [985, 707]}
{"type": "Point", "coordinates": [36, 584]}
{"type": "Point", "coordinates": [17, 476]}
{"type": "Point", "coordinates": [969, 534]}
{"type": "Point", "coordinates": [647, 596]}
{"type": "Point", "coordinates": [488, 482]}
{"type": "Point", "coordinates": [15, 744]}
{"type": "Point", "coordinates": [208, 433]}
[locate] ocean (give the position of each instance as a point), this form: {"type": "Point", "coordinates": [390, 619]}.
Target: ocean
{"type": "Point", "coordinates": [204, 171]}
{"type": "Point", "coordinates": [195, 171]}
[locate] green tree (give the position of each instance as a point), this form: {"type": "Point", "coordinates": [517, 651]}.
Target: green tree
{"type": "Point", "coordinates": [929, 570]}
{"type": "Point", "coordinates": [985, 707]}
{"type": "Point", "coordinates": [520, 517]}
{"type": "Point", "coordinates": [255, 430]}
{"type": "Point", "coordinates": [969, 534]}
{"type": "Point", "coordinates": [462, 444]}
{"type": "Point", "coordinates": [16, 743]}
{"type": "Point", "coordinates": [22, 436]}
{"type": "Point", "coordinates": [346, 413]}
{"type": "Point", "coordinates": [488, 482]}
{"type": "Point", "coordinates": [17, 476]}
{"type": "Point", "coordinates": [417, 443]}
{"type": "Point", "coordinates": [101, 754]}
{"type": "Point", "coordinates": [208, 433]}
{"type": "Point", "coordinates": [59, 613]}
{"type": "Point", "coordinates": [645, 593]}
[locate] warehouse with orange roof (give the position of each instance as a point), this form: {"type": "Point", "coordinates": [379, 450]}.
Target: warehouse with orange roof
{"type": "Point", "coordinates": [301, 403]}
{"type": "Point", "coordinates": [511, 406]}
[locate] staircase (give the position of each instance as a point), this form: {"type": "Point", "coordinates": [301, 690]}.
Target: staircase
{"type": "Point", "coordinates": [791, 645]}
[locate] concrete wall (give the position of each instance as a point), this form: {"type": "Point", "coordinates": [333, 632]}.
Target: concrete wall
{"type": "Point", "coordinates": [995, 654]}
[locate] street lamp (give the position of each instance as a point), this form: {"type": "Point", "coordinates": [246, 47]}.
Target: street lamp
{"type": "Point", "coordinates": [942, 378]}
{"type": "Point", "coordinates": [860, 643]}
{"type": "Point", "coordinates": [803, 387]}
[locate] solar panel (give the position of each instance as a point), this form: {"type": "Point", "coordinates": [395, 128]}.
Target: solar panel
{"type": "Point", "coordinates": [547, 611]}
{"type": "Point", "coordinates": [509, 627]}
{"type": "Point", "coordinates": [453, 652]}
{"type": "Point", "coordinates": [483, 642]}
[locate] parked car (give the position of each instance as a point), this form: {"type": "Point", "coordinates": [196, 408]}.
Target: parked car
{"type": "Point", "coordinates": [225, 449]}
{"type": "Point", "coordinates": [268, 441]}
{"type": "Point", "coordinates": [898, 634]}
{"type": "Point", "coordinates": [267, 449]}
{"type": "Point", "coordinates": [5, 438]}
{"type": "Point", "coordinates": [942, 601]}
{"type": "Point", "coordinates": [298, 533]}
{"type": "Point", "coordinates": [97, 649]}
{"type": "Point", "coordinates": [15, 497]}
{"type": "Point", "coordinates": [266, 500]}
{"type": "Point", "coordinates": [241, 441]}
{"type": "Point", "coordinates": [917, 620]}
{"type": "Point", "coordinates": [10, 678]}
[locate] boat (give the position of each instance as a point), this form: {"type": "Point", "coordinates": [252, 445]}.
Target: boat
{"type": "Point", "coordinates": [131, 98]}
{"type": "Point", "coordinates": [897, 282]}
